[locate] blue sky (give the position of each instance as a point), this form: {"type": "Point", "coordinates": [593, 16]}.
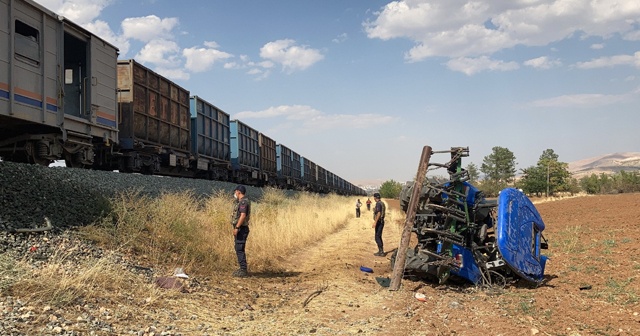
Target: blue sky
{"type": "Point", "coordinates": [360, 87]}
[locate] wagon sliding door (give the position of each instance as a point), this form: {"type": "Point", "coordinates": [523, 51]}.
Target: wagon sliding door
{"type": "Point", "coordinates": [75, 73]}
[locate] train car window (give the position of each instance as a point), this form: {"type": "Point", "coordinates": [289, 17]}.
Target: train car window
{"type": "Point", "coordinates": [27, 43]}
{"type": "Point", "coordinates": [68, 76]}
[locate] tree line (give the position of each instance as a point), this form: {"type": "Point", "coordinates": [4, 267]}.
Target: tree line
{"type": "Point", "coordinates": [548, 177]}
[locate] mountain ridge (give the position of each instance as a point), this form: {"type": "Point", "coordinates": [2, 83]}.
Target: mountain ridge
{"type": "Point", "coordinates": [607, 163]}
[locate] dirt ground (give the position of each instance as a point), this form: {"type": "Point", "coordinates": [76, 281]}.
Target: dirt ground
{"type": "Point", "coordinates": [591, 286]}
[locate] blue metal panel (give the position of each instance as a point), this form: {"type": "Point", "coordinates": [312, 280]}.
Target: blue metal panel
{"type": "Point", "coordinates": [244, 146]}
{"type": "Point", "coordinates": [469, 269]}
{"type": "Point", "coordinates": [209, 130]}
{"type": "Point", "coordinates": [518, 234]}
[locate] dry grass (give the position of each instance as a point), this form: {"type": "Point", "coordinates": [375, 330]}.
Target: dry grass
{"type": "Point", "coordinates": [177, 230]}
{"type": "Point", "coordinates": [174, 230]}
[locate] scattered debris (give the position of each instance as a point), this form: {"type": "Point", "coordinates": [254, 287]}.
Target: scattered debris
{"type": "Point", "coordinates": [366, 269]}
{"type": "Point", "coordinates": [384, 282]}
{"type": "Point", "coordinates": [179, 272]}
{"type": "Point", "coordinates": [421, 297]}
{"type": "Point", "coordinates": [170, 283]}
{"type": "Point", "coordinates": [313, 295]}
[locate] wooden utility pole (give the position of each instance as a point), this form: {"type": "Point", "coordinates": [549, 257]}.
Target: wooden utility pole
{"type": "Point", "coordinates": [401, 256]}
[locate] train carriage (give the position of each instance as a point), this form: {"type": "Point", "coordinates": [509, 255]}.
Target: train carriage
{"type": "Point", "coordinates": [321, 178]}
{"type": "Point", "coordinates": [268, 162]}
{"type": "Point", "coordinates": [288, 165]}
{"type": "Point", "coordinates": [154, 123]}
{"type": "Point", "coordinates": [57, 84]}
{"type": "Point", "coordinates": [245, 153]}
{"type": "Point", "coordinates": [210, 143]}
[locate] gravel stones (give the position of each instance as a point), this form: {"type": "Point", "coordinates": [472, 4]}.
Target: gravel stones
{"type": "Point", "coordinates": [76, 197]}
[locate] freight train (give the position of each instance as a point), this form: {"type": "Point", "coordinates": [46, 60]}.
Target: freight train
{"type": "Point", "coordinates": [64, 95]}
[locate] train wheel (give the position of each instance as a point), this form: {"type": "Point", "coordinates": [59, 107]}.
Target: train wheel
{"type": "Point", "coordinates": [35, 152]}
{"type": "Point", "coordinates": [74, 160]}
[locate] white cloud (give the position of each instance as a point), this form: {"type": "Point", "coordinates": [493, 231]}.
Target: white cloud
{"type": "Point", "coordinates": [348, 121]}
{"type": "Point", "coordinates": [340, 38]}
{"type": "Point", "coordinates": [202, 59]}
{"type": "Point", "coordinates": [471, 66]}
{"type": "Point", "coordinates": [172, 73]}
{"type": "Point", "coordinates": [103, 30]}
{"type": "Point", "coordinates": [293, 112]}
{"type": "Point", "coordinates": [463, 28]}
{"type": "Point", "coordinates": [78, 11]}
{"type": "Point", "coordinates": [632, 36]}
{"type": "Point", "coordinates": [583, 100]}
{"type": "Point", "coordinates": [159, 52]}
{"type": "Point", "coordinates": [307, 119]}
{"type": "Point", "coordinates": [543, 62]}
{"type": "Point", "coordinates": [149, 28]}
{"type": "Point", "coordinates": [597, 46]}
{"type": "Point", "coordinates": [611, 61]}
{"type": "Point", "coordinates": [84, 13]}
{"type": "Point", "coordinates": [289, 55]}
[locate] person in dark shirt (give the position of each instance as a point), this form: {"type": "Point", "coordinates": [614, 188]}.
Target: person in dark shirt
{"type": "Point", "coordinates": [240, 221]}
{"type": "Point", "coordinates": [379, 211]}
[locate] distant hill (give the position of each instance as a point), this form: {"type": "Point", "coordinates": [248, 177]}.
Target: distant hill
{"type": "Point", "coordinates": [608, 163]}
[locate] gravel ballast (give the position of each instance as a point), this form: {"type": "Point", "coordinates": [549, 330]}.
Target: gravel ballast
{"type": "Point", "coordinates": [75, 197]}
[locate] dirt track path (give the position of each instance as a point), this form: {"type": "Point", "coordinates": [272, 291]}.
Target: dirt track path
{"type": "Point", "coordinates": [322, 290]}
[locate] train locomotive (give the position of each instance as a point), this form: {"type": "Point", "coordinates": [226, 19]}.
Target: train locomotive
{"type": "Point", "coordinates": [463, 235]}
{"type": "Point", "coordinates": [64, 95]}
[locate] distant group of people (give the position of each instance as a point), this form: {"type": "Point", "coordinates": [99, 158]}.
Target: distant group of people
{"type": "Point", "coordinates": [379, 212]}
{"type": "Point", "coordinates": [241, 215]}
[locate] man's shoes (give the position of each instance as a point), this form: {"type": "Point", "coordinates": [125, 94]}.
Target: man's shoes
{"type": "Point", "coordinates": [380, 254]}
{"type": "Point", "coordinates": [241, 273]}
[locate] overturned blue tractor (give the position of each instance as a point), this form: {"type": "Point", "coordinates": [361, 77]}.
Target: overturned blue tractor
{"type": "Point", "coordinates": [461, 234]}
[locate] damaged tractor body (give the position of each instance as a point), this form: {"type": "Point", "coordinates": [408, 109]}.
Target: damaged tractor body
{"type": "Point", "coordinates": [460, 233]}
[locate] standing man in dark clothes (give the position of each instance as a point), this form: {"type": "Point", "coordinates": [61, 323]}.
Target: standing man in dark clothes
{"type": "Point", "coordinates": [379, 211]}
{"type": "Point", "coordinates": [240, 221]}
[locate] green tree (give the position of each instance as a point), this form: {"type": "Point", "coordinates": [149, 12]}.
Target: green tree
{"type": "Point", "coordinates": [556, 173]}
{"type": "Point", "coordinates": [474, 173]}
{"type": "Point", "coordinates": [499, 169]}
{"type": "Point", "coordinates": [548, 176]}
{"type": "Point", "coordinates": [590, 184]}
{"type": "Point", "coordinates": [390, 189]}
{"type": "Point", "coordinates": [533, 181]}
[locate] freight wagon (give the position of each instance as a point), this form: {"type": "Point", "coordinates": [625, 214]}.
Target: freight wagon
{"type": "Point", "coordinates": [268, 165]}
{"type": "Point", "coordinates": [65, 95]}
{"type": "Point", "coordinates": [210, 140]}
{"type": "Point", "coordinates": [57, 84]}
{"type": "Point", "coordinates": [154, 122]}
{"type": "Point", "coordinates": [245, 153]}
{"type": "Point", "coordinates": [288, 165]}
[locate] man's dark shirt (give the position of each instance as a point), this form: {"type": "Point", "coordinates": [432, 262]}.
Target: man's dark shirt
{"type": "Point", "coordinates": [379, 208]}
{"type": "Point", "coordinates": [242, 206]}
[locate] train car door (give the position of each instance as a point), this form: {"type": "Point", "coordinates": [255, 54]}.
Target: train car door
{"type": "Point", "coordinates": [75, 73]}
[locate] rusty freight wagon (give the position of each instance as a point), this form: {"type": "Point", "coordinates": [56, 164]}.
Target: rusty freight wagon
{"type": "Point", "coordinates": [268, 164]}
{"type": "Point", "coordinates": [57, 84]}
{"type": "Point", "coordinates": [154, 122]}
